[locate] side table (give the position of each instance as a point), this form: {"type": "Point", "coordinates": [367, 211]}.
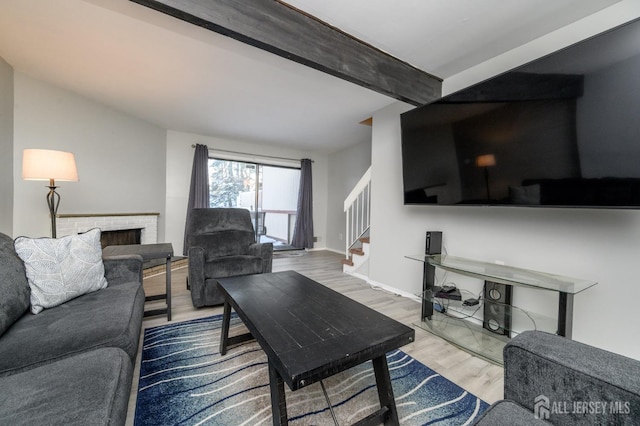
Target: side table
{"type": "Point", "coordinates": [149, 252]}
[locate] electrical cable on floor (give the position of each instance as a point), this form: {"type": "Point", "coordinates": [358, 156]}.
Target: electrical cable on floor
{"type": "Point", "coordinates": [377, 288]}
{"type": "Point", "coordinates": [326, 396]}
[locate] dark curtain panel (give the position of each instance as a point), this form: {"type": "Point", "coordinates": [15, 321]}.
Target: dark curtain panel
{"type": "Point", "coordinates": [199, 189]}
{"type": "Point", "coordinates": [303, 229]}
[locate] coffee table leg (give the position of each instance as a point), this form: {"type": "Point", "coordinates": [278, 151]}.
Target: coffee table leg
{"type": "Point", "coordinates": [385, 391]}
{"type": "Point", "coordinates": [224, 333]}
{"type": "Point", "coordinates": [278, 402]}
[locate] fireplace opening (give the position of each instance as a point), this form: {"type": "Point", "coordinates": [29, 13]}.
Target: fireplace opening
{"type": "Point", "coordinates": [120, 237]}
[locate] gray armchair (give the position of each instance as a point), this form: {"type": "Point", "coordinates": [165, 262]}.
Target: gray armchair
{"type": "Point", "coordinates": [552, 380]}
{"type": "Point", "coordinates": [221, 243]}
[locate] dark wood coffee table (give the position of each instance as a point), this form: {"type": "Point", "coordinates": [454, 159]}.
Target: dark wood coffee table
{"type": "Point", "coordinates": [310, 332]}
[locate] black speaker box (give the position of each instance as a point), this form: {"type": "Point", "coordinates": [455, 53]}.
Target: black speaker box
{"type": "Point", "coordinates": [433, 245]}
{"type": "Point", "coordinates": [497, 308]}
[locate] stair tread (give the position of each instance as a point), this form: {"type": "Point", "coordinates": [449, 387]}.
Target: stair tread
{"type": "Point", "coordinates": [357, 251]}
{"type": "Point", "coordinates": [365, 239]}
{"type": "Point", "coordinates": [347, 262]}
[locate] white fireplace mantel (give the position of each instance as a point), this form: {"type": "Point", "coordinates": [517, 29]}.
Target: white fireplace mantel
{"type": "Point", "coordinates": [71, 224]}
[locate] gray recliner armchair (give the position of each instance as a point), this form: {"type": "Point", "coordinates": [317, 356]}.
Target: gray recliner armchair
{"type": "Point", "coordinates": [221, 243]}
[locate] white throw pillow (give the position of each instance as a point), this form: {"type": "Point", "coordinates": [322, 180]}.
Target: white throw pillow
{"type": "Point", "coordinates": [61, 269]}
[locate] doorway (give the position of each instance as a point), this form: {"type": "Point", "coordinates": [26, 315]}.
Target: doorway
{"type": "Point", "coordinates": [269, 192]}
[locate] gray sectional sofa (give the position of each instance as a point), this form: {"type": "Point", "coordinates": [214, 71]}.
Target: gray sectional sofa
{"type": "Point", "coordinates": [551, 380]}
{"type": "Point", "coordinates": [71, 364]}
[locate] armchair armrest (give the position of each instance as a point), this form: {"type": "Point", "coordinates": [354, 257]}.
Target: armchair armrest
{"type": "Point", "coordinates": [265, 252]}
{"type": "Point", "coordinates": [122, 269]}
{"type": "Point", "coordinates": [196, 276]}
{"type": "Point", "coordinates": [571, 373]}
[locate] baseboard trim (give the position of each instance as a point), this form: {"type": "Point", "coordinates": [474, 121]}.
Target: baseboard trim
{"type": "Point", "coordinates": [393, 290]}
{"type": "Point", "coordinates": [359, 276]}
{"type": "Point", "coordinates": [333, 250]}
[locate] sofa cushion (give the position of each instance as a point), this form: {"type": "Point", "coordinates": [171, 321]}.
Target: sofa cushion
{"type": "Point", "coordinates": [14, 287]}
{"type": "Point", "coordinates": [107, 318]}
{"type": "Point", "coordinates": [508, 413]}
{"type": "Point", "coordinates": [61, 269]}
{"type": "Point", "coordinates": [88, 389]}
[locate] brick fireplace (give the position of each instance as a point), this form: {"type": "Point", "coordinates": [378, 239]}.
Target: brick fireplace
{"type": "Point", "coordinates": [147, 223]}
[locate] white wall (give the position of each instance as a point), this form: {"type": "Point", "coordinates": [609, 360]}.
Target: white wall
{"type": "Point", "coordinates": [180, 160]}
{"type": "Point", "coordinates": [346, 167]}
{"type": "Point", "coordinates": [6, 148]}
{"type": "Point", "coordinates": [125, 165]}
{"type": "Point", "coordinates": [599, 245]}
{"type": "Point", "coordinates": [120, 159]}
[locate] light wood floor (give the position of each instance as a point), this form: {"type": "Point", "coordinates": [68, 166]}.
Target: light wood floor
{"type": "Point", "coordinates": [479, 377]}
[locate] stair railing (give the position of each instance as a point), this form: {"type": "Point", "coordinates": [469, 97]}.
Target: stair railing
{"type": "Point", "coordinates": [357, 208]}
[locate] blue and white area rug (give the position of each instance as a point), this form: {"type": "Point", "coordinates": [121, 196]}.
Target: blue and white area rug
{"type": "Point", "coordinates": [185, 381]}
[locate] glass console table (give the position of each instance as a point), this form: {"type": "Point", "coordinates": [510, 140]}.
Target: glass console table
{"type": "Point", "coordinates": [458, 316]}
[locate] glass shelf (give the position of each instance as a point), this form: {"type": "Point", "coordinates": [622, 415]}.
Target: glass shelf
{"type": "Point", "coordinates": [462, 324]}
{"type": "Point", "coordinates": [506, 274]}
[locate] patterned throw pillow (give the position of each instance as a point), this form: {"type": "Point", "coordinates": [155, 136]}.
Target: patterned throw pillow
{"type": "Point", "coordinates": [61, 269]}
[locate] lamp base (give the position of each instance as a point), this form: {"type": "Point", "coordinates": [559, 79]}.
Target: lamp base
{"type": "Point", "coordinates": [53, 201]}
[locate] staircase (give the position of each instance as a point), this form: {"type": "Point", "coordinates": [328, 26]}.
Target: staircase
{"type": "Point", "coordinates": [357, 212]}
{"type": "Point", "coordinates": [357, 259]}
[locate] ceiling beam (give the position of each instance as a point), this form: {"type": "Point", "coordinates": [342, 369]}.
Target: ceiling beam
{"type": "Point", "coordinates": [295, 35]}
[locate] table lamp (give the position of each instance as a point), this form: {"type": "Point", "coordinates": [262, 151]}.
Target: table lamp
{"type": "Point", "coordinates": [44, 164]}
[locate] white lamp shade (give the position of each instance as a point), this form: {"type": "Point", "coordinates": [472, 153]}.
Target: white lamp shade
{"type": "Point", "coordinates": [44, 164]}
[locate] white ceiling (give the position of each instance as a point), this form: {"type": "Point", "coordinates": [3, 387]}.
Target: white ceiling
{"type": "Point", "coordinates": [185, 78]}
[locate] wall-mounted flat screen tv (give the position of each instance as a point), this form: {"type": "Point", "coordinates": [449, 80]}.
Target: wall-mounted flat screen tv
{"type": "Point", "coordinates": [562, 131]}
